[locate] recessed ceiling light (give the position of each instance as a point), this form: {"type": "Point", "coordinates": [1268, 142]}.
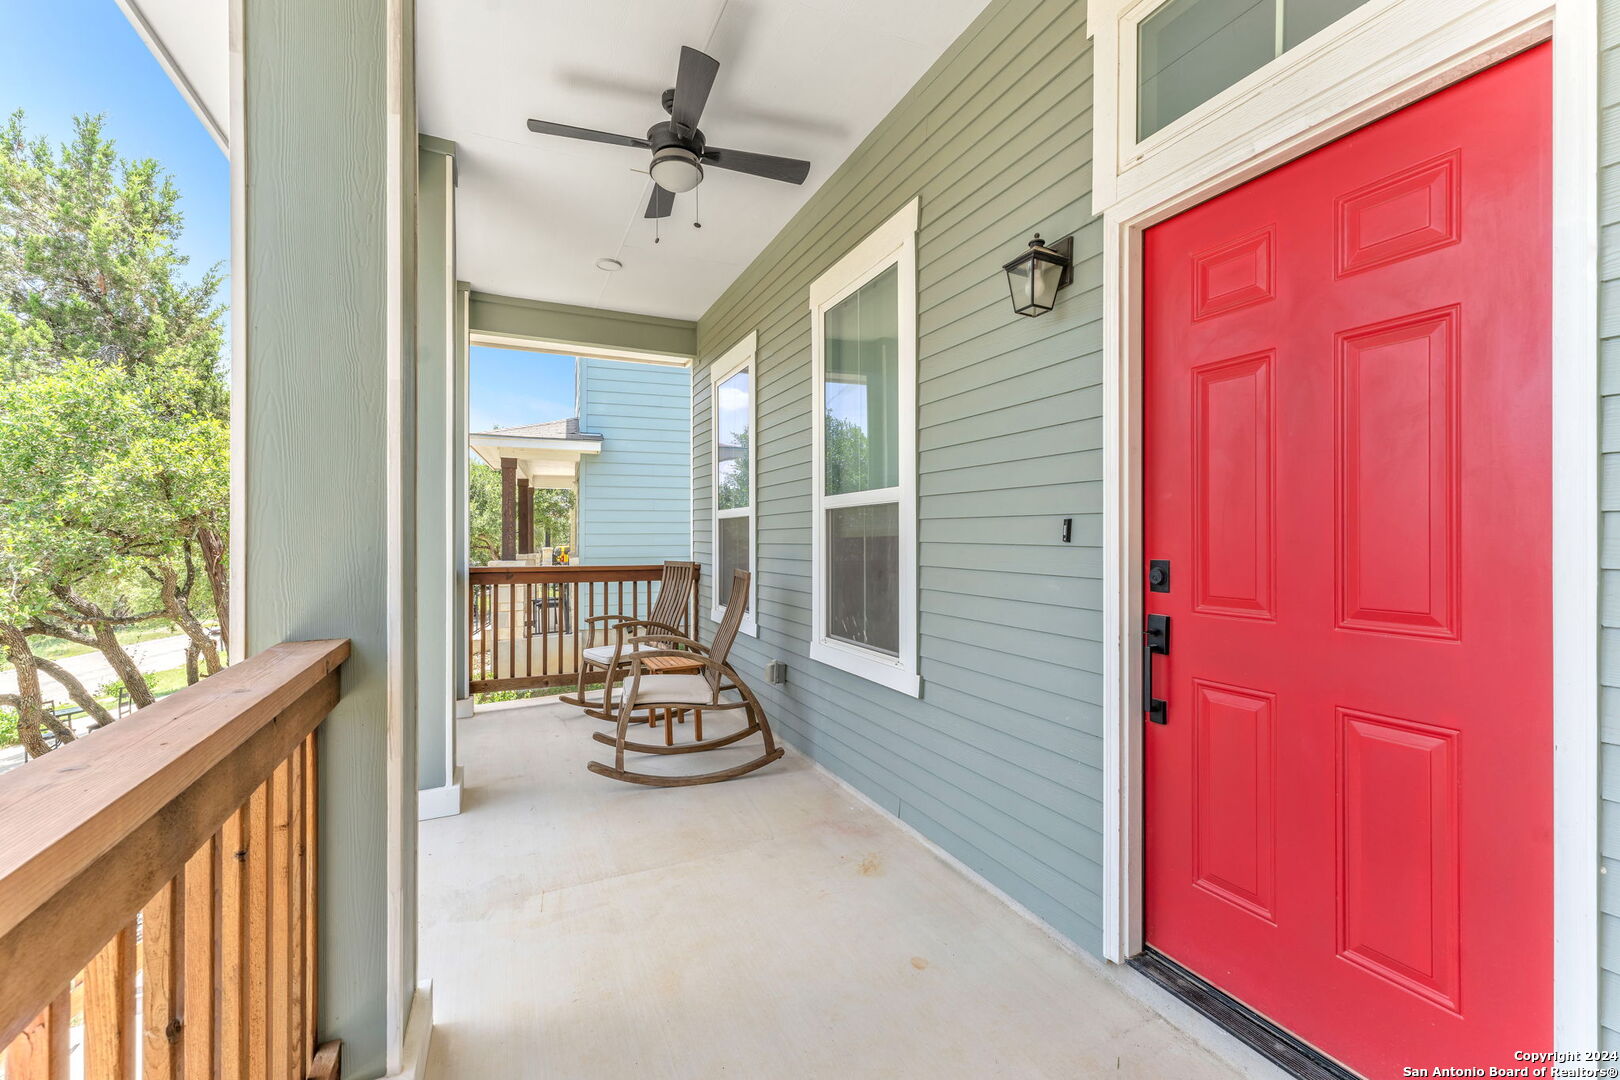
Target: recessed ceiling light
{"type": "Point", "coordinates": [609, 265]}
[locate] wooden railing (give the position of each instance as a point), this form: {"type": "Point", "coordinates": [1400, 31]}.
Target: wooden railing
{"type": "Point", "coordinates": [157, 885]}
{"type": "Point", "coordinates": [527, 625]}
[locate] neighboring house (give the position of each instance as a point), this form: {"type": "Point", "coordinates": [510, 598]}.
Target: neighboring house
{"type": "Point", "coordinates": [635, 497]}
{"type": "Point", "coordinates": [1250, 618]}
{"type": "Point", "coordinates": [626, 457]}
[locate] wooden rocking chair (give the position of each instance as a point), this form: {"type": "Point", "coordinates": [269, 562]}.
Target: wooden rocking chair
{"type": "Point", "coordinates": [699, 693]}
{"type": "Point", "coordinates": [668, 616]}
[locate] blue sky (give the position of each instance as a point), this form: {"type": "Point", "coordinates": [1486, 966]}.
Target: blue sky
{"type": "Point", "coordinates": [62, 58]}
{"type": "Point", "coordinates": [66, 57]}
{"type": "Point", "coordinates": [508, 387]}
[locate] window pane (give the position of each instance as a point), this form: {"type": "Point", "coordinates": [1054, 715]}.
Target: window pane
{"type": "Point", "coordinates": [1302, 18]}
{"type": "Point", "coordinates": [733, 554]}
{"type": "Point", "coordinates": [1190, 50]}
{"type": "Point", "coordinates": [731, 440]}
{"type": "Point", "coordinates": [862, 406]}
{"type": "Point", "coordinates": [863, 576]}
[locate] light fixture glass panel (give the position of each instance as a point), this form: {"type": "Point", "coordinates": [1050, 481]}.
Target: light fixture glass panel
{"type": "Point", "coordinates": [732, 439]}
{"type": "Point", "coordinates": [861, 402]}
{"type": "Point", "coordinates": [863, 576]}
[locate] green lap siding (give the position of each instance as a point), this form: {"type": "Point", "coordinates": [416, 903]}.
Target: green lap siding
{"type": "Point", "coordinates": [635, 497]}
{"type": "Point", "coordinates": [1000, 761]}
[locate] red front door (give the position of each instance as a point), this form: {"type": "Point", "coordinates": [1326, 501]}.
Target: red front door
{"type": "Point", "coordinates": [1349, 808]}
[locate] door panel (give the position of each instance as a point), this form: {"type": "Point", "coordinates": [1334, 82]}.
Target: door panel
{"type": "Point", "coordinates": [1347, 420]}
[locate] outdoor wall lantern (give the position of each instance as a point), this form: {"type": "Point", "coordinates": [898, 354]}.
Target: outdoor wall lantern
{"type": "Point", "coordinates": [1035, 277]}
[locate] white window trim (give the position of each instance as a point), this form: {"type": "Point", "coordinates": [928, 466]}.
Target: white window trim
{"type": "Point", "coordinates": [1375, 61]}
{"type": "Point", "coordinates": [894, 243]}
{"type": "Point", "coordinates": [740, 357]}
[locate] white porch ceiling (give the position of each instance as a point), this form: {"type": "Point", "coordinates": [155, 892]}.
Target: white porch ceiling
{"type": "Point", "coordinates": [799, 78]}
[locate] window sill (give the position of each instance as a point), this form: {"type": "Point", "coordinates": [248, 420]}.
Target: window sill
{"type": "Point", "coordinates": [868, 666]}
{"type": "Point", "coordinates": [749, 624]}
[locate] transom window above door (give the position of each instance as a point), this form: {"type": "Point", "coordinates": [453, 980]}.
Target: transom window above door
{"type": "Point", "coordinates": [1190, 50]}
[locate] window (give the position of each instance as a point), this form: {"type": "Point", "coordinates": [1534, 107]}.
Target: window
{"type": "Point", "coordinates": [732, 413]}
{"type": "Point", "coordinates": [1190, 50]}
{"type": "Point", "coordinates": [864, 484]}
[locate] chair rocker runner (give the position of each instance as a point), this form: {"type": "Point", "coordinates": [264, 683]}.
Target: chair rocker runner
{"type": "Point", "coordinates": [700, 693]}
{"type": "Point", "coordinates": [668, 616]}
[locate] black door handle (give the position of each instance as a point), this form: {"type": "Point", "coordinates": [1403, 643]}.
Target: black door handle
{"type": "Point", "coordinates": [1155, 639]}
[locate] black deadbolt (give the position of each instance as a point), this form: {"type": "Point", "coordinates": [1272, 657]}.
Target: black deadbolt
{"type": "Point", "coordinates": [1159, 575]}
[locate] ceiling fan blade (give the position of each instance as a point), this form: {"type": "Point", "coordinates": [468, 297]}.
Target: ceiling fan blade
{"type": "Point", "coordinates": [787, 170]}
{"type": "Point", "coordinates": [546, 127]}
{"type": "Point", "coordinates": [693, 82]}
{"type": "Point", "coordinates": [661, 203]}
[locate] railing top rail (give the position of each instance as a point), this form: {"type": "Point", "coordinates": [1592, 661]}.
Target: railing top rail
{"type": "Point", "coordinates": [570, 572]}
{"type": "Point", "coordinates": [65, 811]}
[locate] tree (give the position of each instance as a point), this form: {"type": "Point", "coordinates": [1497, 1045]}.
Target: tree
{"type": "Point", "coordinates": [553, 514]}
{"type": "Point", "coordinates": [104, 473]}
{"type": "Point", "coordinates": [90, 266]}
{"type": "Point", "coordinates": [113, 478]}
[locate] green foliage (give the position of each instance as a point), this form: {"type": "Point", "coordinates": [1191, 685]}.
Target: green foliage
{"type": "Point", "coordinates": [102, 467]}
{"type": "Point", "coordinates": [89, 264]}
{"type": "Point", "coordinates": [553, 514]}
{"type": "Point", "coordinates": [113, 410]}
{"type": "Point", "coordinates": [112, 689]}
{"type": "Point", "coordinates": [8, 728]}
{"type": "Point", "coordinates": [733, 488]}
{"type": "Point", "coordinates": [847, 455]}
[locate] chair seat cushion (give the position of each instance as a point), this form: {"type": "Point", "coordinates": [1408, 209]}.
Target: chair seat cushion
{"type": "Point", "coordinates": [603, 654]}
{"type": "Point", "coordinates": [672, 690]}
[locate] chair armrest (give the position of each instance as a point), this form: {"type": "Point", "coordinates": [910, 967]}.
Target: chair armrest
{"type": "Point", "coordinates": [680, 639]}
{"type": "Point", "coordinates": [605, 618]}
{"type": "Point", "coordinates": [649, 624]}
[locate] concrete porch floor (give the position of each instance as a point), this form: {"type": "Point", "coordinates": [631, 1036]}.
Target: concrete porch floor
{"type": "Point", "coordinates": [770, 927]}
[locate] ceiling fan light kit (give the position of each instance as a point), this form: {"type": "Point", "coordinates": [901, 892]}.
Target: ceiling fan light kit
{"type": "Point", "coordinates": [679, 150]}
{"type": "Point", "coordinates": [676, 169]}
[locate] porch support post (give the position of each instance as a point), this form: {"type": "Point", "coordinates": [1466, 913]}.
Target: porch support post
{"type": "Point", "coordinates": [322, 144]}
{"type": "Point", "coordinates": [508, 509]}
{"type": "Point", "coordinates": [525, 517]}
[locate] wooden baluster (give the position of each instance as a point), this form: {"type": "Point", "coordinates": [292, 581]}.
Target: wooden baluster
{"type": "Point", "coordinates": [279, 938]}
{"type": "Point", "coordinates": [511, 630]}
{"type": "Point", "coordinates": [311, 970]}
{"type": "Point", "coordinates": [256, 966]}
{"type": "Point", "coordinates": [545, 626]}
{"type": "Point", "coordinates": [485, 652]}
{"type": "Point", "coordinates": [199, 955]}
{"type": "Point", "coordinates": [528, 631]}
{"type": "Point", "coordinates": [109, 1010]}
{"type": "Point", "coordinates": [162, 945]}
{"type": "Point", "coordinates": [41, 1051]}
{"type": "Point", "coordinates": [297, 1050]}
{"type": "Point", "coordinates": [232, 952]}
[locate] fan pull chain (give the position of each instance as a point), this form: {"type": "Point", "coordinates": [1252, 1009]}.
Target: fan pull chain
{"type": "Point", "coordinates": [697, 208]}
{"type": "Point", "coordinates": [655, 230]}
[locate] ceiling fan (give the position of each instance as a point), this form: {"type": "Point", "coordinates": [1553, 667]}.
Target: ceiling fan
{"type": "Point", "coordinates": [679, 150]}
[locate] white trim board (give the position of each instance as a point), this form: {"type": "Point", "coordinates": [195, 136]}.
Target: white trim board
{"type": "Point", "coordinates": [740, 357]}
{"type": "Point", "coordinates": [893, 243]}
{"type": "Point", "coordinates": [495, 340]}
{"type": "Point", "coordinates": [1384, 56]}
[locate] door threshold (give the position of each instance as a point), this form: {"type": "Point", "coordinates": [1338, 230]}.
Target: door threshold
{"type": "Point", "coordinates": [1271, 1042]}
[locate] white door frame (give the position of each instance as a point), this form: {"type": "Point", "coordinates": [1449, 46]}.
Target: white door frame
{"type": "Point", "coordinates": [1378, 59]}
